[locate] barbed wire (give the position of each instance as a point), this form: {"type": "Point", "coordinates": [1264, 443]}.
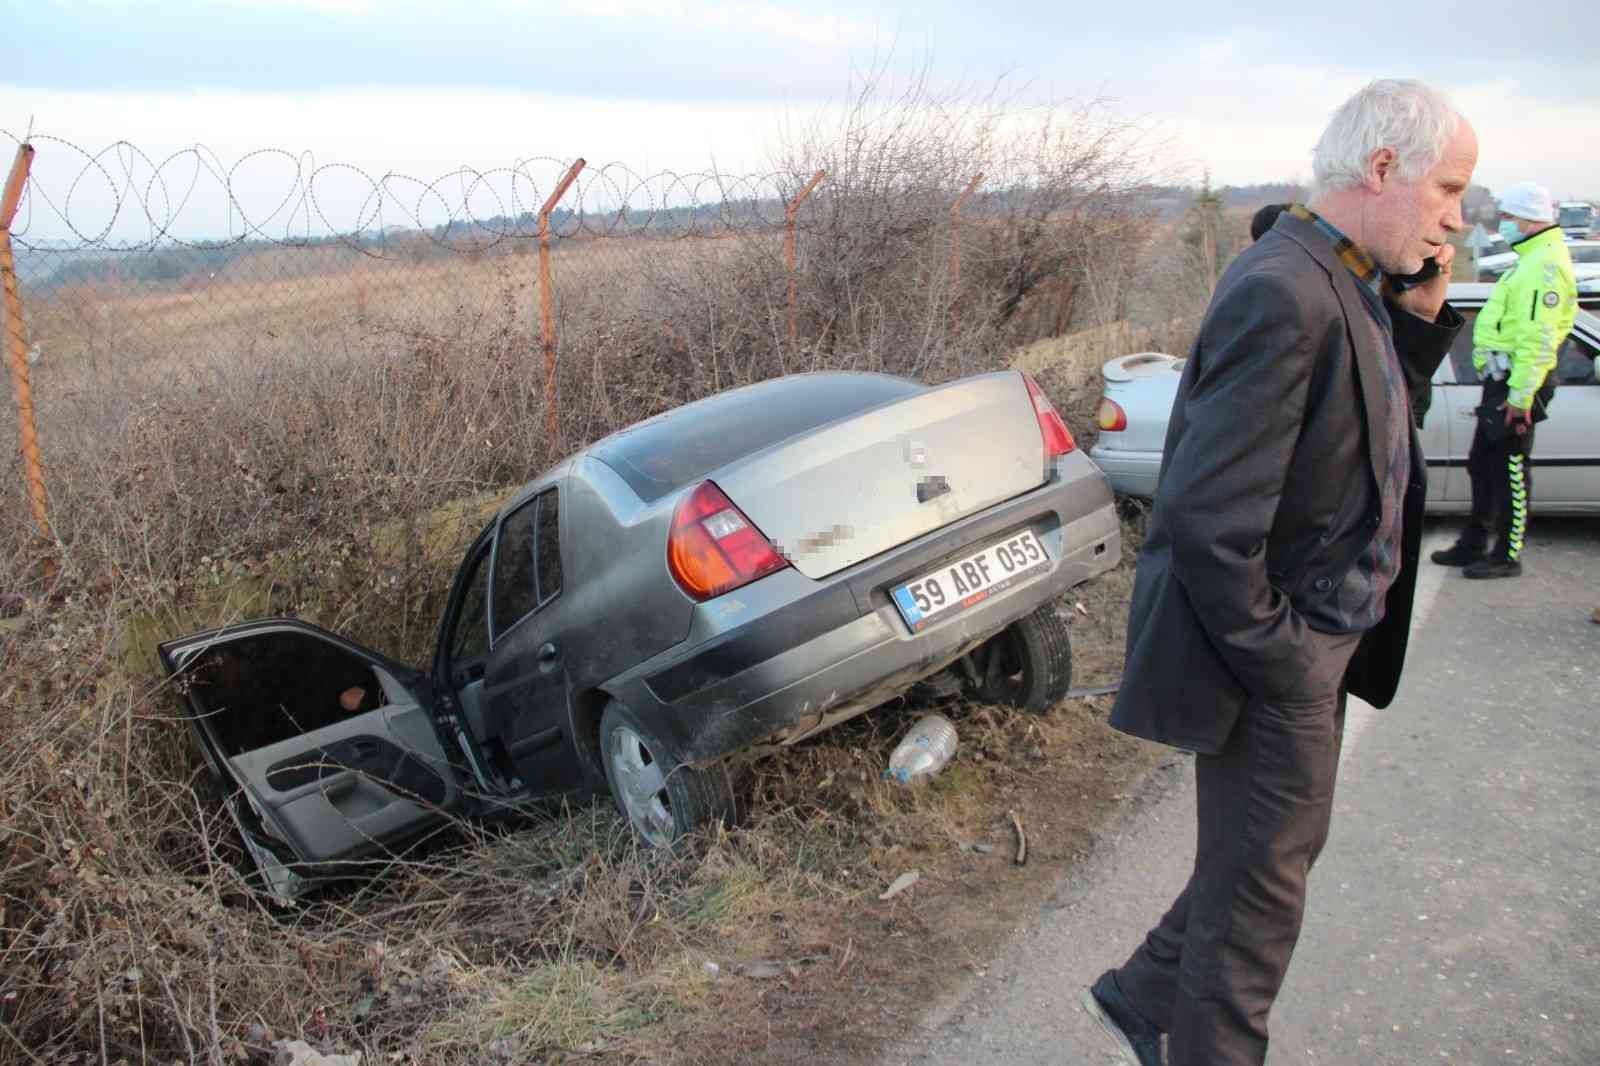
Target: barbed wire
{"type": "Point", "coordinates": [122, 199]}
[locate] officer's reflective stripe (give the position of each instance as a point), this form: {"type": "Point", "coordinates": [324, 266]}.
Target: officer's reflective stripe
{"type": "Point", "coordinates": [1519, 506]}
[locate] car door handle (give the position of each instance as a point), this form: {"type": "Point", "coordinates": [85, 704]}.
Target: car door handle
{"type": "Point", "coordinates": [1469, 414]}
{"type": "Point", "coordinates": [547, 653]}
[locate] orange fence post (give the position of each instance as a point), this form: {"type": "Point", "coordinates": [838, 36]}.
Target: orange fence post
{"type": "Point", "coordinates": [547, 312]}
{"type": "Point", "coordinates": [790, 211]}
{"type": "Point", "coordinates": [955, 244]}
{"type": "Point", "coordinates": [26, 427]}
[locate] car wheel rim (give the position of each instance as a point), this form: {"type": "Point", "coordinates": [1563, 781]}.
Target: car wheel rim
{"type": "Point", "coordinates": [641, 785]}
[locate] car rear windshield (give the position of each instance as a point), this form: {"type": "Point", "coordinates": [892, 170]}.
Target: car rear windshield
{"type": "Point", "coordinates": [671, 450]}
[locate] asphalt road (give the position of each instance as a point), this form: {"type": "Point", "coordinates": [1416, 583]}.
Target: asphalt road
{"type": "Point", "coordinates": [1454, 916]}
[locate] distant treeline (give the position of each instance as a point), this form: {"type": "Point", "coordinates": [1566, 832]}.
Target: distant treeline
{"type": "Point", "coordinates": [178, 263]}
{"type": "Point", "coordinates": [58, 264]}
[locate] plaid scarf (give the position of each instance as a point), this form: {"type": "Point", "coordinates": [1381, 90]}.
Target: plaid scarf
{"type": "Point", "coordinates": [1359, 262]}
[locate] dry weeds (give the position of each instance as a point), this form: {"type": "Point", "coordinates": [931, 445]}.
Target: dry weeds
{"type": "Point", "coordinates": [127, 932]}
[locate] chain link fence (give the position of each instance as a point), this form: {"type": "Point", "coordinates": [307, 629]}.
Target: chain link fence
{"type": "Point", "coordinates": [225, 356]}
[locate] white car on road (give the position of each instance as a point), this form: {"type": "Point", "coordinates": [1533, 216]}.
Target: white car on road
{"type": "Point", "coordinates": [1585, 269]}
{"type": "Point", "coordinates": [1139, 390]}
{"type": "Point", "coordinates": [1585, 260]}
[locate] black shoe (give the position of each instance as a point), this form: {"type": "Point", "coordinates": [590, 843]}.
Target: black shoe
{"type": "Point", "coordinates": [1493, 566]}
{"type": "Point", "coordinates": [1137, 1039]}
{"type": "Point", "coordinates": [1461, 553]}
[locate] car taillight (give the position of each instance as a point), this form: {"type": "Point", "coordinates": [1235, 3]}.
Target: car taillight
{"type": "Point", "coordinates": [713, 548]}
{"type": "Point", "coordinates": [1057, 438]}
{"type": "Point", "coordinates": [1112, 418]}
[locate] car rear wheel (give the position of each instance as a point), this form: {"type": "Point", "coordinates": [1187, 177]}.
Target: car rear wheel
{"type": "Point", "coordinates": [661, 798]}
{"type": "Point", "coordinates": [1028, 664]}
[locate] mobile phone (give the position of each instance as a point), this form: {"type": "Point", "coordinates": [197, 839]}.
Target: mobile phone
{"type": "Point", "coordinates": [1429, 271]}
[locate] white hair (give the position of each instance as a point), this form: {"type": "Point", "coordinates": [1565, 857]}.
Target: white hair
{"type": "Point", "coordinates": [1408, 117]}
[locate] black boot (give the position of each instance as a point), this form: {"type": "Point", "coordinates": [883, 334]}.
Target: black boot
{"type": "Point", "coordinates": [1467, 550]}
{"type": "Point", "coordinates": [1138, 1042]}
{"type": "Point", "coordinates": [1495, 565]}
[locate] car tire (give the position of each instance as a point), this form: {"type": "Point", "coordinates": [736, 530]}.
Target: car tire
{"type": "Point", "coordinates": [1028, 664]}
{"type": "Point", "coordinates": [662, 799]}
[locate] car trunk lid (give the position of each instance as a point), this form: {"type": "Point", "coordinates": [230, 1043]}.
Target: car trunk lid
{"type": "Point", "coordinates": [1143, 386]}
{"type": "Point", "coordinates": [1140, 366]}
{"type": "Point", "coordinates": [858, 487]}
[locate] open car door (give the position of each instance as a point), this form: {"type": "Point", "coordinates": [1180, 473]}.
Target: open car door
{"type": "Point", "coordinates": [328, 751]}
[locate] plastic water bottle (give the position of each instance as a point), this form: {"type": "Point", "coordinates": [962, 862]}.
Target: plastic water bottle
{"type": "Point", "coordinates": [924, 751]}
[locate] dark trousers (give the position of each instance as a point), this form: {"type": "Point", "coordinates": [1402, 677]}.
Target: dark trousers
{"type": "Point", "coordinates": [1208, 973]}
{"type": "Point", "coordinates": [1501, 468]}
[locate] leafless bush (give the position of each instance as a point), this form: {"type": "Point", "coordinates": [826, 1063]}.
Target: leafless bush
{"type": "Point", "coordinates": [1052, 210]}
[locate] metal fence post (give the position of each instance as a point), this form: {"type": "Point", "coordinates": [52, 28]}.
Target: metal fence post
{"type": "Point", "coordinates": [790, 211]}
{"type": "Point", "coordinates": [26, 426]}
{"type": "Point", "coordinates": [547, 314]}
{"type": "Point", "coordinates": [955, 247]}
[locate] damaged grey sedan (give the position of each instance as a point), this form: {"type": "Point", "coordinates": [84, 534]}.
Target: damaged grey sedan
{"type": "Point", "coordinates": [732, 576]}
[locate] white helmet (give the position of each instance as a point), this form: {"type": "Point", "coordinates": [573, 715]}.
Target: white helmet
{"type": "Point", "coordinates": [1529, 200]}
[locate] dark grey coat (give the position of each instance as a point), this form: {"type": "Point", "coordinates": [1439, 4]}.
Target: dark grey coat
{"type": "Point", "coordinates": [1268, 495]}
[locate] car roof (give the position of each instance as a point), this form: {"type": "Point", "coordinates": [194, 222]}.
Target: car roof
{"type": "Point", "coordinates": [1469, 290]}
{"type": "Point", "coordinates": [1473, 294]}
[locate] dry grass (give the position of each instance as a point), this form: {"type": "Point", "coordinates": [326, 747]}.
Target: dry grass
{"type": "Point", "coordinates": [127, 930]}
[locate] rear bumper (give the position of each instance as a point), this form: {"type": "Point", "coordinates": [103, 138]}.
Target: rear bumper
{"type": "Point", "coordinates": [1130, 473]}
{"type": "Point", "coordinates": [814, 653]}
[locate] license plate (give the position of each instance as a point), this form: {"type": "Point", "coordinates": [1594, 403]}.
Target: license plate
{"type": "Point", "coordinates": [955, 586]}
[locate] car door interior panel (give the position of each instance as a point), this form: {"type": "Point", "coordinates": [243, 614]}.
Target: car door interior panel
{"type": "Point", "coordinates": [370, 756]}
{"type": "Point", "coordinates": [343, 790]}
{"type": "Point", "coordinates": [335, 754]}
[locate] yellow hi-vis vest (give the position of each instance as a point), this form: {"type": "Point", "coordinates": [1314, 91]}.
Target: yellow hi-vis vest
{"type": "Point", "coordinates": [1528, 315]}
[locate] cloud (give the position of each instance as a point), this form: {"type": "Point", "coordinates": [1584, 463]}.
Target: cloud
{"type": "Point", "coordinates": [314, 7]}
{"type": "Point", "coordinates": [677, 51]}
{"type": "Point", "coordinates": [801, 24]}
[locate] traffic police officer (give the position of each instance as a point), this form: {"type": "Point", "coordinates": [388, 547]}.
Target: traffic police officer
{"type": "Point", "coordinates": [1514, 345]}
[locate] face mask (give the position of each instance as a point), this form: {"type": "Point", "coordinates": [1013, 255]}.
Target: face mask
{"type": "Point", "coordinates": [1509, 230]}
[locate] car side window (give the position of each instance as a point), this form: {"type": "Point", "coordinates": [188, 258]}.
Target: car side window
{"type": "Point", "coordinates": [549, 546]}
{"type": "Point", "coordinates": [470, 638]}
{"type": "Point", "coordinates": [1461, 349]}
{"type": "Point", "coordinates": [1575, 362]}
{"type": "Point", "coordinates": [515, 591]}
{"type": "Point", "coordinates": [527, 560]}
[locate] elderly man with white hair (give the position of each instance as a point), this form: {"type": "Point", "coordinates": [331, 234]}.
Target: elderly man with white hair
{"type": "Point", "coordinates": [1278, 570]}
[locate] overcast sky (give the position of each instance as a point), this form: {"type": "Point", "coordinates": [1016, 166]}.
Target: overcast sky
{"type": "Point", "coordinates": [1241, 89]}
